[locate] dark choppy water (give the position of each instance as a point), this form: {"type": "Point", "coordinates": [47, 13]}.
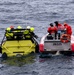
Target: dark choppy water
{"type": "Point", "coordinates": [37, 13]}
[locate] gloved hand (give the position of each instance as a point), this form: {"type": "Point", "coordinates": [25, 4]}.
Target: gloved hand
{"type": "Point", "coordinates": [36, 36]}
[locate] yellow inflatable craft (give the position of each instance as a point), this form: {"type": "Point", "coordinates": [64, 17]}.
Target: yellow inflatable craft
{"type": "Point", "coordinates": [18, 42]}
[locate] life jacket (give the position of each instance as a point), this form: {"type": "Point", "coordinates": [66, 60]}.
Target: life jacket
{"type": "Point", "coordinates": [60, 27]}
{"type": "Point", "coordinates": [27, 34]}
{"type": "Point", "coordinates": [68, 29]}
{"type": "Point", "coordinates": [9, 35]}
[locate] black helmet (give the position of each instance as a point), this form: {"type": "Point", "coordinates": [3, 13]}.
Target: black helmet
{"type": "Point", "coordinates": [51, 24]}
{"type": "Point", "coordinates": [56, 22]}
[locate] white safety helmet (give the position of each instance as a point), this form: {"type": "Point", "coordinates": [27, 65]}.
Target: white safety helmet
{"type": "Point", "coordinates": [28, 27]}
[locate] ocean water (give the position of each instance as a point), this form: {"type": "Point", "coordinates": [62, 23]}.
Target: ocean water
{"type": "Point", "coordinates": [39, 14]}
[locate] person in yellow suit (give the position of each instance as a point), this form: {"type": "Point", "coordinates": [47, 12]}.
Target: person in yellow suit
{"type": "Point", "coordinates": [9, 34]}
{"type": "Point", "coordinates": [18, 34]}
{"type": "Point", "coordinates": [33, 39]}
{"type": "Point", "coordinates": [29, 33]}
{"type": "Point", "coordinates": [32, 32]}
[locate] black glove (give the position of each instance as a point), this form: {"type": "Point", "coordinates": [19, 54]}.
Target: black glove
{"type": "Point", "coordinates": [36, 36]}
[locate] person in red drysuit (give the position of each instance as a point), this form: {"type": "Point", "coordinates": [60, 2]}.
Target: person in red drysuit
{"type": "Point", "coordinates": [12, 27]}
{"type": "Point", "coordinates": [52, 30]}
{"type": "Point", "coordinates": [68, 29]}
{"type": "Point", "coordinates": [59, 27]}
